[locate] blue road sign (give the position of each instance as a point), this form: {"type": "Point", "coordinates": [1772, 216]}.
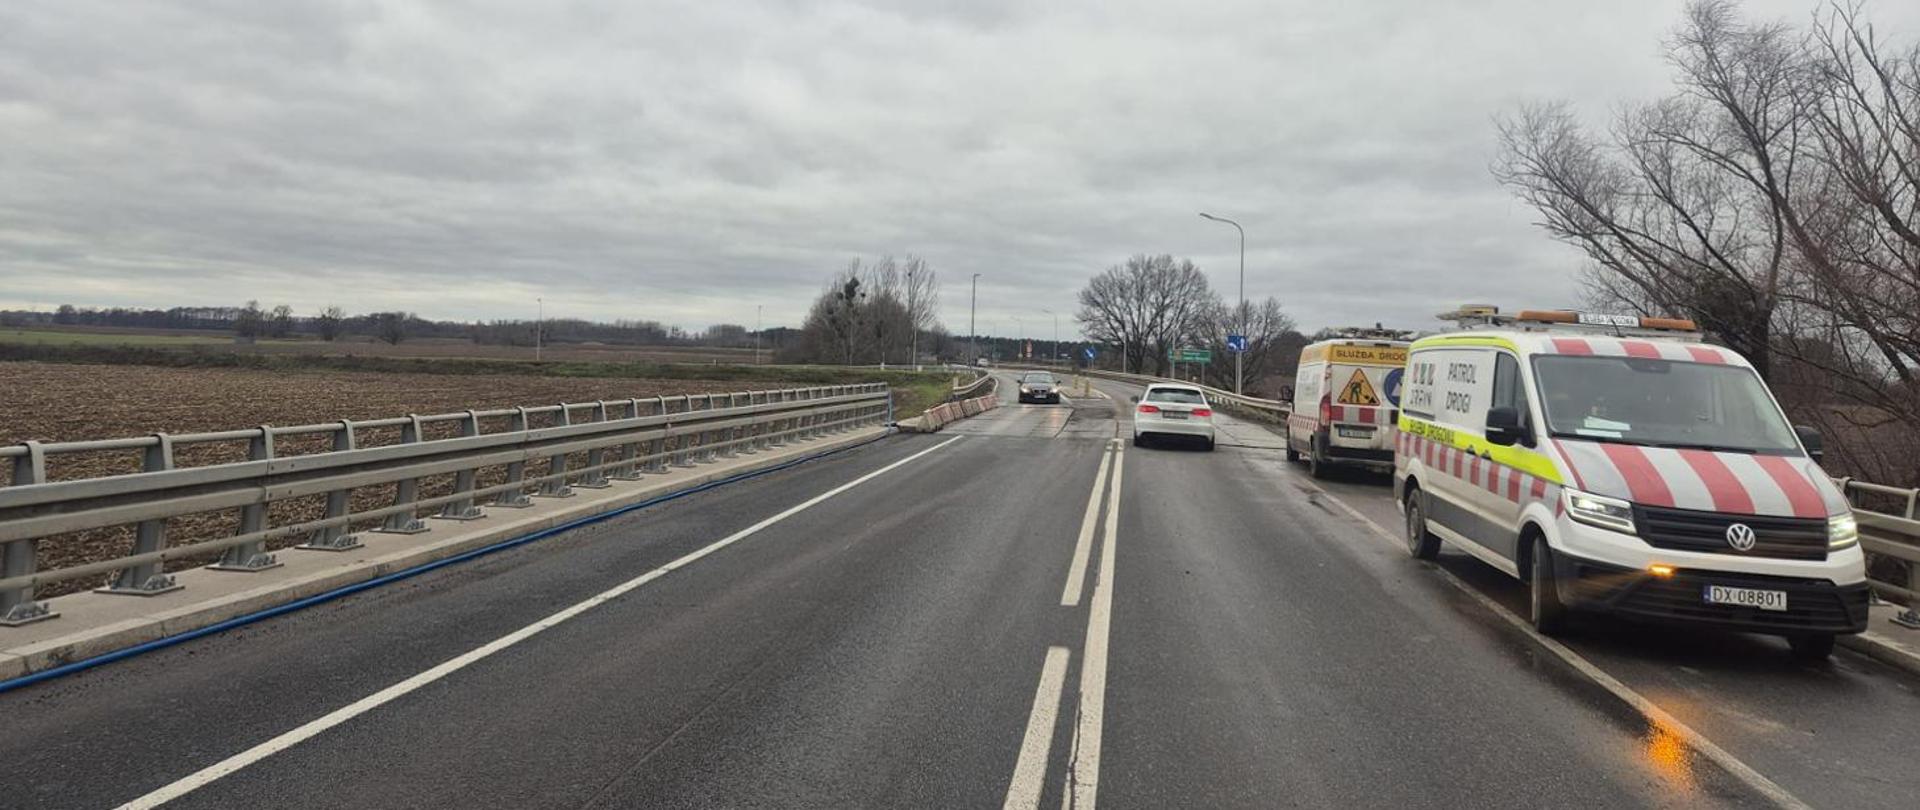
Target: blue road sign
{"type": "Point", "coordinates": [1236, 343]}
{"type": "Point", "coordinates": [1393, 386]}
{"type": "Point", "coordinates": [1087, 353]}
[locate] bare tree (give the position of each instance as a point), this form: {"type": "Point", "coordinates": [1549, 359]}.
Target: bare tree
{"type": "Point", "coordinates": [250, 322]}
{"type": "Point", "coordinates": [391, 327]}
{"type": "Point", "coordinates": [1147, 307]}
{"type": "Point", "coordinates": [328, 322]}
{"type": "Point", "coordinates": [1268, 327]}
{"type": "Point", "coordinates": [280, 321]}
{"type": "Point", "coordinates": [1774, 197]}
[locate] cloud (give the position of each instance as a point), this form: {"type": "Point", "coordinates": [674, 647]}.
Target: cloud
{"type": "Point", "coordinates": [689, 161]}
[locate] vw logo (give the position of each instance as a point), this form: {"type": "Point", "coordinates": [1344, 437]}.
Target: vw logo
{"type": "Point", "coordinates": [1740, 536]}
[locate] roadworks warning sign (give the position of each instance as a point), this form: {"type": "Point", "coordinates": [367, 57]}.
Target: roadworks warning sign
{"type": "Point", "coordinates": [1358, 391]}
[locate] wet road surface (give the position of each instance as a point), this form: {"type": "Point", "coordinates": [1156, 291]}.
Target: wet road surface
{"type": "Point", "coordinates": [1020, 608]}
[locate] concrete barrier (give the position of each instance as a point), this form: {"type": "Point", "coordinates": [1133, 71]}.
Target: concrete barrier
{"type": "Point", "coordinates": [940, 416]}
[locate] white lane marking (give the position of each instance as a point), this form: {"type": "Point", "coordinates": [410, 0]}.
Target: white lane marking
{"type": "Point", "coordinates": [1083, 772]}
{"type": "Point", "coordinates": [1654, 714]}
{"type": "Point", "coordinates": [1030, 771]}
{"type": "Point", "coordinates": [1077, 572]}
{"type": "Point", "coordinates": [234, 763]}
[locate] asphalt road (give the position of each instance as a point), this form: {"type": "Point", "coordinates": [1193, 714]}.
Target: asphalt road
{"type": "Point", "coordinates": [1020, 607]}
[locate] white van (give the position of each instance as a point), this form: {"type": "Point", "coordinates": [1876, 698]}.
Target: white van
{"type": "Point", "coordinates": [1618, 464]}
{"type": "Point", "coordinates": [1343, 409]}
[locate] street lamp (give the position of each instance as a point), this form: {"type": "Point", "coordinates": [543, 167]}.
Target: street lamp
{"type": "Point", "coordinates": [1238, 357]}
{"type": "Point", "coordinates": [913, 329]}
{"type": "Point", "coordinates": [1054, 353]}
{"type": "Point", "coordinates": [757, 311]}
{"type": "Point", "coordinates": [538, 327]}
{"type": "Point", "coordinates": [1020, 336]}
{"type": "Point", "coordinates": [973, 333]}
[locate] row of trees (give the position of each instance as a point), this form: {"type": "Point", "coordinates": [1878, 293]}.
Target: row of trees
{"type": "Point", "coordinates": [1774, 197]}
{"type": "Point", "coordinates": [1150, 306]}
{"type": "Point", "coordinates": [254, 321]}
{"type": "Point", "coordinates": [874, 312]}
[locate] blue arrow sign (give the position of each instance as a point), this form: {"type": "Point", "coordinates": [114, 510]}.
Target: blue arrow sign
{"type": "Point", "coordinates": [1087, 353]}
{"type": "Point", "coordinates": [1393, 386]}
{"type": "Point", "coordinates": [1237, 343]}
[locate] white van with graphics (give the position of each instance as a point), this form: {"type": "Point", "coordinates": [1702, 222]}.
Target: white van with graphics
{"type": "Point", "coordinates": [1343, 410]}
{"type": "Point", "coordinates": [1618, 464]}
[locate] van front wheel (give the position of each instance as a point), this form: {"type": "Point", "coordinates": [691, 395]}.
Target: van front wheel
{"type": "Point", "coordinates": [1549, 614]}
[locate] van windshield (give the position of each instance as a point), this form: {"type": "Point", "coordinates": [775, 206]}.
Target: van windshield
{"type": "Point", "coordinates": [1661, 403]}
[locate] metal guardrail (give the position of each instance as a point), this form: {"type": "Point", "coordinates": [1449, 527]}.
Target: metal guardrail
{"type": "Point", "coordinates": [1268, 410]}
{"type": "Point", "coordinates": [1891, 534]}
{"type": "Point", "coordinates": [622, 439]}
{"type": "Point", "coordinates": [967, 389]}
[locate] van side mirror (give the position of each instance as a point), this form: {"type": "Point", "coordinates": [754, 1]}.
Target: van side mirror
{"type": "Point", "coordinates": [1504, 428]}
{"type": "Point", "coordinates": [1810, 439]}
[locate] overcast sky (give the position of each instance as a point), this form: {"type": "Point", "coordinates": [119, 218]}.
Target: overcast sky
{"type": "Point", "coordinates": [686, 162]}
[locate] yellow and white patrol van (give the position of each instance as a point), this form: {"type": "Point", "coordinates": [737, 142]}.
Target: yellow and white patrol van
{"type": "Point", "coordinates": [1618, 464]}
{"type": "Point", "coordinates": [1343, 409]}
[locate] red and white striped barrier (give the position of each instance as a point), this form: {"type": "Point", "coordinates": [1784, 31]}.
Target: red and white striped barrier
{"type": "Point", "coordinates": [940, 416]}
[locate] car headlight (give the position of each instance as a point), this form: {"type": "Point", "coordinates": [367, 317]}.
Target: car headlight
{"type": "Point", "coordinates": [1843, 531]}
{"type": "Point", "coordinates": [1601, 511]}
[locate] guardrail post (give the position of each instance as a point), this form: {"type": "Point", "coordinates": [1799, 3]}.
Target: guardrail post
{"type": "Point", "coordinates": [408, 490]}
{"type": "Point", "coordinates": [146, 579]}
{"type": "Point", "coordinates": [339, 503]}
{"type": "Point", "coordinates": [252, 556]}
{"type": "Point", "coordinates": [710, 436]}
{"type": "Point", "coordinates": [730, 447]}
{"type": "Point", "coordinates": [557, 466]}
{"type": "Point", "coordinates": [658, 462]}
{"type": "Point", "coordinates": [516, 470]}
{"type": "Point", "coordinates": [18, 557]}
{"type": "Point", "coordinates": [596, 476]}
{"type": "Point", "coordinates": [629, 452]}
{"type": "Point", "coordinates": [464, 509]}
{"type": "Point", "coordinates": [680, 456]}
{"type": "Point", "coordinates": [754, 431]}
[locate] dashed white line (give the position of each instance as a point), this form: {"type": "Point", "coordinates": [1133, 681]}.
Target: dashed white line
{"type": "Point", "coordinates": [208, 775]}
{"type": "Point", "coordinates": [1077, 571]}
{"type": "Point", "coordinates": [1030, 771]}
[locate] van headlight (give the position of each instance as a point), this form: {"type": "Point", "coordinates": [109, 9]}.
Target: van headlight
{"type": "Point", "coordinates": [1843, 531]}
{"type": "Point", "coordinates": [1599, 510]}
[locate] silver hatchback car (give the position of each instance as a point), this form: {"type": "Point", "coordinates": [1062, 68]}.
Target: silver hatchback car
{"type": "Point", "coordinates": [1172, 410]}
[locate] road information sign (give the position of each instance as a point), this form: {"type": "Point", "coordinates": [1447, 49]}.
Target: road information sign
{"type": "Point", "coordinates": [1358, 391]}
{"type": "Point", "coordinates": [1193, 356]}
{"type": "Point", "coordinates": [1236, 343]}
{"type": "Point", "coordinates": [1087, 353]}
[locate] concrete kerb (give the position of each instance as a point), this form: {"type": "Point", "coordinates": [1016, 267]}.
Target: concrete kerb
{"type": "Point", "coordinates": [399, 554]}
{"type": "Point", "coordinates": [1882, 645]}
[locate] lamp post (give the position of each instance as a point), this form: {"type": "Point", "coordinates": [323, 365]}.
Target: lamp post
{"type": "Point", "coordinates": [539, 326]}
{"type": "Point", "coordinates": [1238, 357]}
{"type": "Point", "coordinates": [913, 328]}
{"type": "Point", "coordinates": [757, 312]}
{"type": "Point", "coordinates": [973, 334]}
{"type": "Point", "coordinates": [1020, 336]}
{"type": "Point", "coordinates": [1053, 354]}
